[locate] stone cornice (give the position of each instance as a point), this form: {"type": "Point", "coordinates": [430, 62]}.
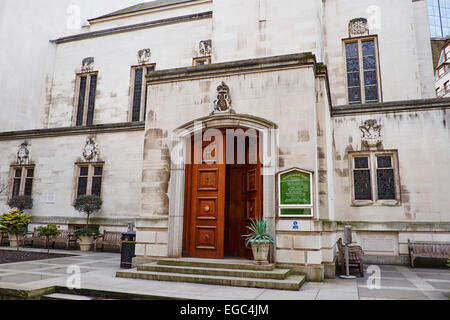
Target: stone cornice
{"type": "Point", "coordinates": [66, 131]}
{"type": "Point", "coordinates": [241, 66]}
{"type": "Point", "coordinates": [133, 27]}
{"type": "Point", "coordinates": [395, 106]}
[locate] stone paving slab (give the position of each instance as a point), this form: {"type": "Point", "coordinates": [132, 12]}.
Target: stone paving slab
{"type": "Point", "coordinates": [99, 269]}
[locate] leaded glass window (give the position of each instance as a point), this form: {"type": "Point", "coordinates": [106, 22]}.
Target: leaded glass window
{"type": "Point", "coordinates": [362, 71]}
{"type": "Point", "coordinates": [86, 91]}
{"type": "Point", "coordinates": [353, 80]}
{"type": "Point", "coordinates": [82, 181]}
{"type": "Point", "coordinates": [375, 177]}
{"type": "Point", "coordinates": [22, 180]}
{"type": "Point", "coordinates": [89, 180]}
{"type": "Point", "coordinates": [385, 178]}
{"type": "Point", "coordinates": [361, 179]}
{"type": "Point", "coordinates": [139, 92]}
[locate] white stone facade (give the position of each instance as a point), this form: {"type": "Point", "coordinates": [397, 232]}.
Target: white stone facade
{"type": "Point", "coordinates": [285, 66]}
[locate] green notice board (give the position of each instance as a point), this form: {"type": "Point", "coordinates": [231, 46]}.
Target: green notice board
{"type": "Point", "coordinates": [295, 188]}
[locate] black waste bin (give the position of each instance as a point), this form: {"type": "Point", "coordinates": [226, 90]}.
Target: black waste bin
{"type": "Point", "coordinates": [128, 247]}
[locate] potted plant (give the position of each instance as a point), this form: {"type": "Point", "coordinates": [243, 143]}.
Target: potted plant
{"type": "Point", "coordinates": [260, 240]}
{"type": "Point", "coordinates": [15, 223]}
{"type": "Point", "coordinates": [87, 204]}
{"type": "Point", "coordinates": [86, 236]}
{"type": "Point", "coordinates": [48, 231]}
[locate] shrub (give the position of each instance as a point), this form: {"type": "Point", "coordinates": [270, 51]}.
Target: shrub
{"type": "Point", "coordinates": [86, 232]}
{"type": "Point", "coordinates": [15, 222]}
{"type": "Point", "coordinates": [49, 231]}
{"type": "Point", "coordinates": [21, 202]}
{"type": "Point", "coordinates": [88, 205]}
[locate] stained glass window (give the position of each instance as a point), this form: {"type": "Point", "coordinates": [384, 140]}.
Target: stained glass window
{"type": "Point", "coordinates": [353, 79]}
{"type": "Point", "coordinates": [374, 177]}
{"type": "Point", "coordinates": [361, 179]}
{"type": "Point", "coordinates": [385, 178]}
{"type": "Point", "coordinates": [362, 71]}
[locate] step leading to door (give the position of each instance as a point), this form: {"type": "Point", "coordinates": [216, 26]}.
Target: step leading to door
{"type": "Point", "coordinates": [215, 263]}
{"type": "Point", "coordinates": [279, 274]}
{"type": "Point", "coordinates": [290, 283]}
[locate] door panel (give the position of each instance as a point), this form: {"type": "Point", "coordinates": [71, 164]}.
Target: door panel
{"type": "Point", "coordinates": [207, 206]}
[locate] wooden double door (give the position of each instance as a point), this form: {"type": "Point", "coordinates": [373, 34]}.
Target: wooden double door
{"type": "Point", "coordinates": [221, 198]}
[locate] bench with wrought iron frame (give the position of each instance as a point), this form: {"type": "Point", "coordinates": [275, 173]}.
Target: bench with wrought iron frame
{"type": "Point", "coordinates": [428, 249]}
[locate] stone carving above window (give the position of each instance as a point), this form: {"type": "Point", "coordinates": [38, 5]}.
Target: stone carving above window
{"type": "Point", "coordinates": [371, 133]}
{"type": "Point", "coordinates": [358, 27]}
{"type": "Point", "coordinates": [90, 150]}
{"type": "Point", "coordinates": [144, 56]}
{"type": "Point", "coordinates": [23, 155]}
{"type": "Point", "coordinates": [223, 102]}
{"type": "Point", "coordinates": [205, 47]}
{"type": "Point", "coordinates": [87, 64]}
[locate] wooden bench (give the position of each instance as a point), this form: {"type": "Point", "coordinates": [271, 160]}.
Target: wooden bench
{"type": "Point", "coordinates": [428, 249]}
{"type": "Point", "coordinates": [32, 236]}
{"type": "Point", "coordinates": [354, 256]}
{"type": "Point", "coordinates": [65, 237]}
{"type": "Point", "coordinates": [109, 238]}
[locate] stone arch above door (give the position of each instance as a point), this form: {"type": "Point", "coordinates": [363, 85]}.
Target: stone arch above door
{"type": "Point", "coordinates": [177, 176]}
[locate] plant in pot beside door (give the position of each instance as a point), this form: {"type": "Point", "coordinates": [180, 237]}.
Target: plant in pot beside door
{"type": "Point", "coordinates": [87, 205]}
{"type": "Point", "coordinates": [260, 240]}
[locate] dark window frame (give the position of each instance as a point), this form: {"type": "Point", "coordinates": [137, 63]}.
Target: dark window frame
{"type": "Point", "coordinates": [362, 79]}
{"type": "Point", "coordinates": [23, 180]}
{"type": "Point", "coordinates": [85, 96]}
{"type": "Point", "coordinates": [137, 111]}
{"type": "Point", "coordinates": [89, 177]}
{"type": "Point", "coordinates": [374, 179]}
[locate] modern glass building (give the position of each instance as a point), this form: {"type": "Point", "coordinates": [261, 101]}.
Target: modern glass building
{"type": "Point", "coordinates": [439, 16]}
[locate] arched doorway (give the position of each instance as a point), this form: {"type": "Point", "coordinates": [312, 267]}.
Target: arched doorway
{"type": "Point", "coordinates": [180, 183]}
{"type": "Point", "coordinates": [224, 192]}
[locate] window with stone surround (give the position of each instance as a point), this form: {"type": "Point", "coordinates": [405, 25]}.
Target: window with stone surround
{"type": "Point", "coordinates": [86, 87]}
{"type": "Point", "coordinates": [89, 178]}
{"type": "Point", "coordinates": [21, 180]}
{"type": "Point", "coordinates": [138, 101]}
{"type": "Point", "coordinates": [375, 178]}
{"type": "Point", "coordinates": [362, 70]}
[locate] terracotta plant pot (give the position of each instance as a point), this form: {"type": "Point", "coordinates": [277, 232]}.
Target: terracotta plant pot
{"type": "Point", "coordinates": [86, 243]}
{"type": "Point", "coordinates": [261, 252]}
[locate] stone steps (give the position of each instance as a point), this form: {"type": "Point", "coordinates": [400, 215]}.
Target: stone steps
{"type": "Point", "coordinates": [242, 273]}
{"type": "Point", "coordinates": [239, 273]}
{"type": "Point", "coordinates": [216, 263]}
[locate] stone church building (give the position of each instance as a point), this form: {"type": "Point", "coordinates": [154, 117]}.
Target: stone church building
{"type": "Point", "coordinates": [192, 117]}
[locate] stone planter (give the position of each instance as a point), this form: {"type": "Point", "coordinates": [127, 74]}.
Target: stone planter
{"type": "Point", "coordinates": [13, 240]}
{"type": "Point", "coordinates": [261, 252]}
{"type": "Point", "coordinates": [86, 243]}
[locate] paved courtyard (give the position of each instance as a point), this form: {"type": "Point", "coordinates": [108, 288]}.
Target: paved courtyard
{"type": "Point", "coordinates": [98, 273]}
